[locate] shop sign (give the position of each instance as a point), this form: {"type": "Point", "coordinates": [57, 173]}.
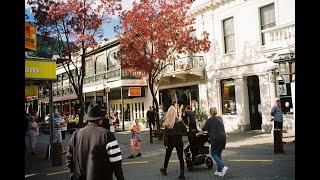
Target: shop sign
{"type": "Point", "coordinates": [134, 91]}
{"type": "Point", "coordinates": [30, 37]}
{"type": "Point", "coordinates": [134, 82]}
{"type": "Point", "coordinates": [36, 69]}
{"type": "Point", "coordinates": [31, 90]}
{"type": "Point", "coordinates": [67, 97]}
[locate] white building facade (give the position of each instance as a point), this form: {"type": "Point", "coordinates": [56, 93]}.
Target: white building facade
{"type": "Point", "coordinates": [242, 78]}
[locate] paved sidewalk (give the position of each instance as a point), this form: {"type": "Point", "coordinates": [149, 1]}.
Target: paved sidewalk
{"type": "Point", "coordinates": [249, 155]}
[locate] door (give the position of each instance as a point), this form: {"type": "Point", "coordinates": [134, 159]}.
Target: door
{"type": "Point", "coordinates": [254, 102]}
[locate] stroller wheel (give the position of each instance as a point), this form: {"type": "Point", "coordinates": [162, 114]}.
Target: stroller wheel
{"type": "Point", "coordinates": [209, 162]}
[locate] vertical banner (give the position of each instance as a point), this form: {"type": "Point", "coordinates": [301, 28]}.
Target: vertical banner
{"type": "Point", "coordinates": [30, 37]}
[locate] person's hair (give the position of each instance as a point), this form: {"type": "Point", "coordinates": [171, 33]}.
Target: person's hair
{"type": "Point", "coordinates": [56, 114]}
{"type": "Point", "coordinates": [32, 117]}
{"type": "Point", "coordinates": [188, 107]}
{"type": "Point", "coordinates": [213, 111]}
{"type": "Point", "coordinates": [170, 117]}
{"type": "Point", "coordinates": [137, 120]}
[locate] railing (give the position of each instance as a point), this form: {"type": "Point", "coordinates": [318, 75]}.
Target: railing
{"type": "Point", "coordinates": [185, 63]}
{"type": "Point", "coordinates": [278, 36]}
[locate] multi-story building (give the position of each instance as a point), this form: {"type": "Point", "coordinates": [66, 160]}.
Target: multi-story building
{"type": "Point", "coordinates": [239, 75]}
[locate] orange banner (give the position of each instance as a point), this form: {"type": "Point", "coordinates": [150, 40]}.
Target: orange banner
{"type": "Point", "coordinates": [134, 91]}
{"type": "Point", "coordinates": [30, 37]}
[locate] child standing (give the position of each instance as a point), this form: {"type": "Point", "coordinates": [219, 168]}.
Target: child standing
{"type": "Point", "coordinates": [135, 139]}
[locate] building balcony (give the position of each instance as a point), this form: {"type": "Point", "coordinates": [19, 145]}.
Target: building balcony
{"type": "Point", "coordinates": [184, 67]}
{"type": "Point", "coordinates": [278, 38]}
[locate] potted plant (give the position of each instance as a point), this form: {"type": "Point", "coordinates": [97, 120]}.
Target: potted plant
{"type": "Point", "coordinates": [144, 122]}
{"type": "Point", "coordinates": [201, 117]}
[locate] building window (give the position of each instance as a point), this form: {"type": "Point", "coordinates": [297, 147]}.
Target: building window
{"type": "Point", "coordinates": [284, 92]}
{"type": "Point", "coordinates": [267, 19]}
{"type": "Point", "coordinates": [101, 66]}
{"type": "Point", "coordinates": [89, 67]}
{"type": "Point", "coordinates": [228, 97]}
{"type": "Point", "coordinates": [228, 31]}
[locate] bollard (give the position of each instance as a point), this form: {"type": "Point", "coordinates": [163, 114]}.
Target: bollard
{"type": "Point", "coordinates": [278, 144]}
{"type": "Point", "coordinates": [56, 154]}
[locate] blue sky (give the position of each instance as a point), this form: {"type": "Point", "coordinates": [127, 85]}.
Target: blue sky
{"type": "Point", "coordinates": [108, 31]}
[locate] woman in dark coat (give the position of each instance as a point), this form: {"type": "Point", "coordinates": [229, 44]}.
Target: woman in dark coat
{"type": "Point", "coordinates": [174, 127]}
{"type": "Point", "coordinates": [214, 126]}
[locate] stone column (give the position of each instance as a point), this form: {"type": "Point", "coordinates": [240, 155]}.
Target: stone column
{"type": "Point", "coordinates": [265, 86]}
{"type": "Point", "coordinates": [243, 114]}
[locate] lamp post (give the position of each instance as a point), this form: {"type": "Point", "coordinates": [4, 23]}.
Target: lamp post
{"type": "Point", "coordinates": [286, 66]}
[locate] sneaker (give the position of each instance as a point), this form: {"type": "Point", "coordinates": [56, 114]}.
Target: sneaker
{"type": "Point", "coordinates": [139, 154]}
{"type": "Point", "coordinates": [131, 156]}
{"type": "Point", "coordinates": [217, 173]}
{"type": "Point", "coordinates": [224, 170]}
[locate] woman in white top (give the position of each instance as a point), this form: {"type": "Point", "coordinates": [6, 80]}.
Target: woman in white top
{"type": "Point", "coordinates": [33, 132]}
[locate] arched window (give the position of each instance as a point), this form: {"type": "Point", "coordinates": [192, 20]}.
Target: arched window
{"type": "Point", "coordinates": [89, 67]}
{"type": "Point", "coordinates": [101, 64]}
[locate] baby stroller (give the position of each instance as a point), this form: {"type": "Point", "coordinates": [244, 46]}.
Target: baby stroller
{"type": "Point", "coordinates": [196, 151]}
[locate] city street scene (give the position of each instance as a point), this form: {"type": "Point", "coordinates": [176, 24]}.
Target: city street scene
{"type": "Point", "coordinates": [159, 89]}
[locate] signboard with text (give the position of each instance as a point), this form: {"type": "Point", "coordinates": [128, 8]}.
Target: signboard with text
{"type": "Point", "coordinates": [30, 37]}
{"type": "Point", "coordinates": [40, 69]}
{"type": "Point", "coordinates": [134, 91]}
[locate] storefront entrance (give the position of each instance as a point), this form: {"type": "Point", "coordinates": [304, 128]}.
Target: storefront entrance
{"type": "Point", "coordinates": [188, 95]}
{"type": "Point", "coordinates": [254, 102]}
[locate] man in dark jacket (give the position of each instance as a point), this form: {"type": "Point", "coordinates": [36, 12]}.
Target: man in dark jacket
{"type": "Point", "coordinates": [97, 151]}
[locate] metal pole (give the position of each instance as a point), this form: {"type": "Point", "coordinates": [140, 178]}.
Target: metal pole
{"type": "Point", "coordinates": [122, 114]}
{"type": "Point", "coordinates": [108, 109]}
{"type": "Point", "coordinates": [49, 149]}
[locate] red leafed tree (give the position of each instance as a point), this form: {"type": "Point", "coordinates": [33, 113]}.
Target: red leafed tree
{"type": "Point", "coordinates": [73, 27]}
{"type": "Point", "coordinates": [152, 35]}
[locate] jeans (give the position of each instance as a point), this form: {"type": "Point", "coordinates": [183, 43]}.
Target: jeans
{"type": "Point", "coordinates": [216, 155]}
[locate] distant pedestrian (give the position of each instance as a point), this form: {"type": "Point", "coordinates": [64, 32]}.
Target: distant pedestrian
{"type": "Point", "coordinates": [190, 118]}
{"type": "Point", "coordinates": [276, 112]}
{"type": "Point", "coordinates": [214, 126]}
{"type": "Point", "coordinates": [174, 128]}
{"type": "Point", "coordinates": [94, 152]}
{"type": "Point", "coordinates": [135, 139]}
{"type": "Point", "coordinates": [63, 127]}
{"type": "Point", "coordinates": [151, 117]}
{"type": "Point", "coordinates": [33, 132]}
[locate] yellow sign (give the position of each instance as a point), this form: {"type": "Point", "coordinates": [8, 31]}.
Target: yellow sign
{"type": "Point", "coordinates": [31, 90]}
{"type": "Point", "coordinates": [40, 69]}
{"type": "Point", "coordinates": [30, 37]}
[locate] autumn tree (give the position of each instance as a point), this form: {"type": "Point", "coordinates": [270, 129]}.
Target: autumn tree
{"type": "Point", "coordinates": [152, 35]}
{"type": "Point", "coordinates": [71, 27]}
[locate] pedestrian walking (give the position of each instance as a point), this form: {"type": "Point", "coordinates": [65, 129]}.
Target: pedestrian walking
{"type": "Point", "coordinates": [190, 118]}
{"type": "Point", "coordinates": [63, 127]}
{"type": "Point", "coordinates": [135, 139]}
{"type": "Point", "coordinates": [94, 152]}
{"type": "Point", "coordinates": [174, 128]}
{"type": "Point", "coordinates": [151, 117]}
{"type": "Point", "coordinates": [33, 132]}
{"type": "Point", "coordinates": [214, 126]}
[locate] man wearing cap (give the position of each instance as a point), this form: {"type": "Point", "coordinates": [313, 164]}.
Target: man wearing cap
{"type": "Point", "coordinates": [97, 151]}
{"type": "Point", "coordinates": [276, 112]}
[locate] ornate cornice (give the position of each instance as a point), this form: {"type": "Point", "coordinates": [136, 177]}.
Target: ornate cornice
{"type": "Point", "coordinates": [199, 7]}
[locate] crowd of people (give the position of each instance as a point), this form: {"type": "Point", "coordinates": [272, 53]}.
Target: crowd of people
{"type": "Point", "coordinates": [100, 149]}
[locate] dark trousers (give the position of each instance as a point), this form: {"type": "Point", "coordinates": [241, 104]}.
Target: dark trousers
{"type": "Point", "coordinates": [153, 123]}
{"type": "Point", "coordinates": [174, 141]}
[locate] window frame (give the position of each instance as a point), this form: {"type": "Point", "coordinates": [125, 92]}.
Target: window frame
{"type": "Point", "coordinates": [229, 100]}
{"type": "Point", "coordinates": [226, 49]}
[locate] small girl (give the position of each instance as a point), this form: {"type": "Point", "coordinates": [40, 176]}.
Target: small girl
{"type": "Point", "coordinates": [135, 139]}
